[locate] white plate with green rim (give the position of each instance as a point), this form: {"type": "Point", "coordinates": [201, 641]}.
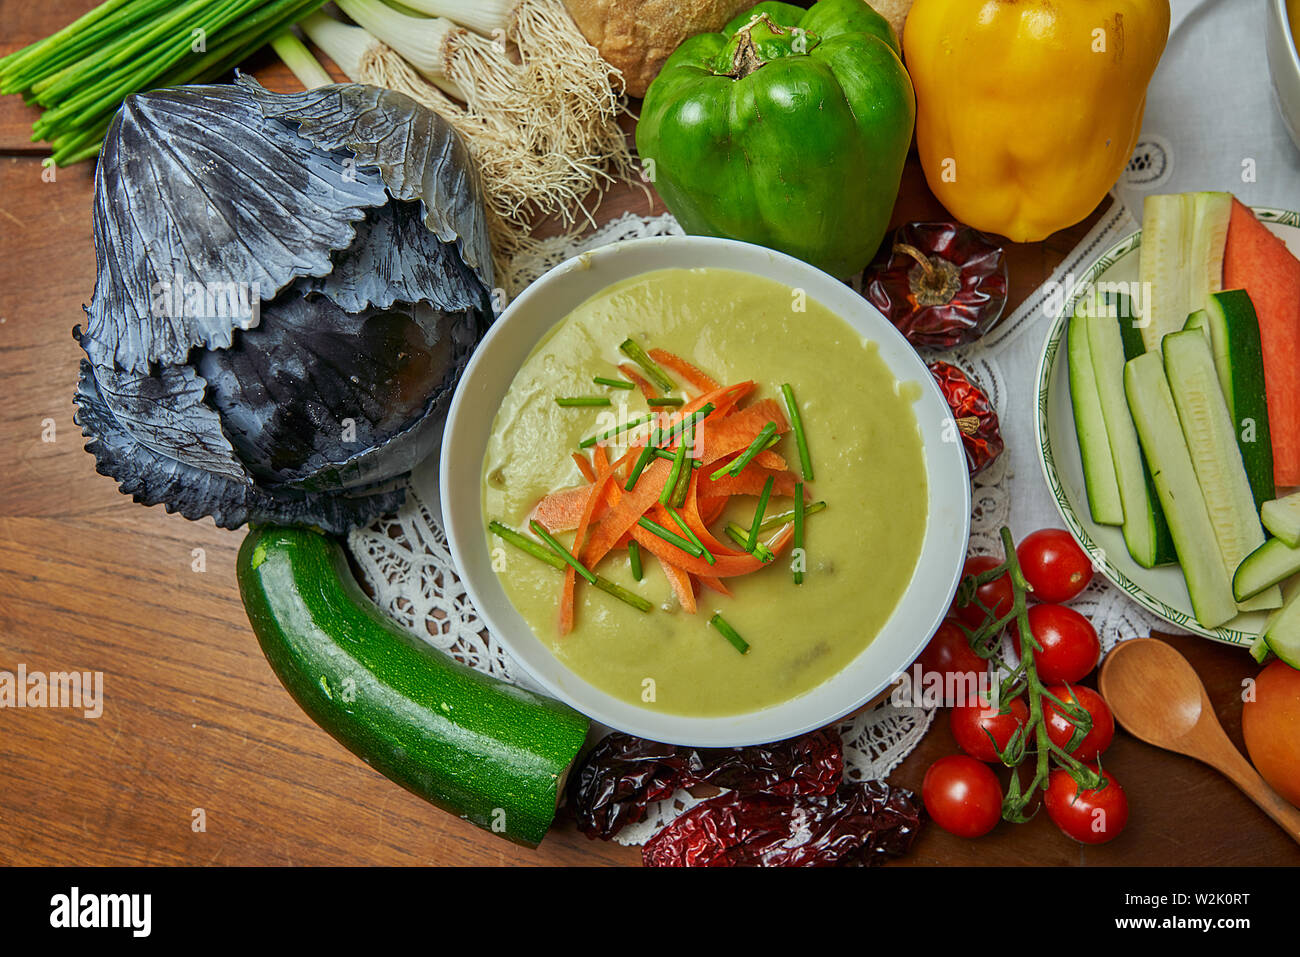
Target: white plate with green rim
{"type": "Point", "coordinates": [1163, 590]}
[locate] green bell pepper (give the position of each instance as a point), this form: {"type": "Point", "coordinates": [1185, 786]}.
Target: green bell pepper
{"type": "Point", "coordinates": [788, 129]}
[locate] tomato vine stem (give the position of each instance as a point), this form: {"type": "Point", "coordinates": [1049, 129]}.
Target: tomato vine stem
{"type": "Point", "coordinates": [1022, 678]}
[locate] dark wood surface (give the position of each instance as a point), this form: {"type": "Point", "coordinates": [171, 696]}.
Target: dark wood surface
{"type": "Point", "coordinates": [193, 717]}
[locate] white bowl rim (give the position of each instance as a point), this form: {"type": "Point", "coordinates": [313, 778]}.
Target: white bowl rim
{"type": "Point", "coordinates": [466, 537]}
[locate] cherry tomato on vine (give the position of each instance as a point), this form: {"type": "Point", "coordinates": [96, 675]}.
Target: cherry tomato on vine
{"type": "Point", "coordinates": [949, 653]}
{"type": "Point", "coordinates": [1060, 728]}
{"type": "Point", "coordinates": [970, 722]}
{"type": "Point", "coordinates": [1093, 817]}
{"type": "Point", "coordinates": [997, 595]}
{"type": "Point", "coordinates": [1054, 564]}
{"type": "Point", "coordinates": [1070, 648]}
{"type": "Point", "coordinates": [962, 796]}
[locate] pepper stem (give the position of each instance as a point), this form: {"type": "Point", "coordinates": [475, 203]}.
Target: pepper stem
{"type": "Point", "coordinates": [745, 60]}
{"type": "Point", "coordinates": [934, 281]}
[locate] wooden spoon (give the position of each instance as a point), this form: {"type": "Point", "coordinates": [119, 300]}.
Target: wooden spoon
{"type": "Point", "coordinates": [1157, 696]}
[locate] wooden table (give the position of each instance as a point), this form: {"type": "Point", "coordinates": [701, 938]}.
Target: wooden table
{"type": "Point", "coordinates": [193, 717]}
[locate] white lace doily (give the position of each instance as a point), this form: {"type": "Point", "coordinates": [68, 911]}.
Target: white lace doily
{"type": "Point", "coordinates": [405, 560]}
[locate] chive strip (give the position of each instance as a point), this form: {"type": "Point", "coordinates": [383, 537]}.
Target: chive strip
{"type": "Point", "coordinates": [613, 383]}
{"type": "Point", "coordinates": [665, 454]}
{"type": "Point", "coordinates": [634, 556]}
{"type": "Point", "coordinates": [741, 538]}
{"type": "Point", "coordinates": [583, 400]}
{"type": "Point", "coordinates": [672, 538]}
{"type": "Point", "coordinates": [610, 433]}
{"type": "Point", "coordinates": [695, 539]}
{"type": "Point", "coordinates": [679, 457]}
{"type": "Point", "coordinates": [758, 513]}
{"type": "Point", "coordinates": [796, 423]}
{"type": "Point", "coordinates": [720, 623]}
{"type": "Point", "coordinates": [784, 518]}
{"type": "Point", "coordinates": [655, 374]}
{"type": "Point", "coordinates": [663, 438]}
{"type": "Point", "coordinates": [684, 480]}
{"type": "Point", "coordinates": [542, 553]}
{"type": "Point", "coordinates": [560, 550]}
{"type": "Point", "coordinates": [734, 468]}
{"type": "Point", "coordinates": [670, 400]}
{"type": "Point", "coordinates": [798, 529]}
{"type": "Point", "coordinates": [642, 461]}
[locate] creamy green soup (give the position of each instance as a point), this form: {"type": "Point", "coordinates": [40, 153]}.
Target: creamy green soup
{"type": "Point", "coordinates": [869, 468]}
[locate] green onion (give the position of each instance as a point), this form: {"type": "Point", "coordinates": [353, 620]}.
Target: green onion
{"type": "Point", "coordinates": [798, 529]}
{"type": "Point", "coordinates": [295, 55]}
{"type": "Point", "coordinates": [758, 513]}
{"type": "Point", "coordinates": [642, 461]}
{"type": "Point", "coordinates": [741, 538]}
{"type": "Point", "coordinates": [686, 545]}
{"type": "Point", "coordinates": [609, 434]}
{"type": "Point", "coordinates": [735, 468]}
{"type": "Point", "coordinates": [81, 74]}
{"type": "Point", "coordinates": [796, 423]}
{"type": "Point", "coordinates": [655, 374]}
{"type": "Point", "coordinates": [583, 400]}
{"type": "Point", "coordinates": [634, 556]}
{"type": "Point", "coordinates": [613, 383]}
{"type": "Point", "coordinates": [665, 401]}
{"type": "Point", "coordinates": [720, 623]}
{"type": "Point", "coordinates": [695, 539]}
{"type": "Point", "coordinates": [542, 553]}
{"type": "Point", "coordinates": [670, 486]}
{"type": "Point", "coordinates": [784, 518]}
{"type": "Point", "coordinates": [560, 550]}
{"type": "Point", "coordinates": [665, 454]}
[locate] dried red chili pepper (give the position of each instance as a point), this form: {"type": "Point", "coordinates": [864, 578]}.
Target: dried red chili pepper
{"type": "Point", "coordinates": [977, 421]}
{"type": "Point", "coordinates": [860, 824]}
{"type": "Point", "coordinates": [623, 774]}
{"type": "Point", "coordinates": [941, 284]}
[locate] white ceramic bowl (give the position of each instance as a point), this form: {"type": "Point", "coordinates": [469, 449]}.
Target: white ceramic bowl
{"type": "Point", "coordinates": [1284, 66]}
{"type": "Point", "coordinates": [485, 383]}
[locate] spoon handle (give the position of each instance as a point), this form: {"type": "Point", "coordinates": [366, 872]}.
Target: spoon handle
{"type": "Point", "coordinates": [1240, 772]}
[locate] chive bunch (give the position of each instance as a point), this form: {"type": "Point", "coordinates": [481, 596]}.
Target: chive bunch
{"type": "Point", "coordinates": [81, 74]}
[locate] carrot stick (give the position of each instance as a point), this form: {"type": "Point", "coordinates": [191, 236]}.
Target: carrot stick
{"type": "Point", "coordinates": [647, 390]}
{"type": "Point", "coordinates": [627, 510]}
{"type": "Point", "coordinates": [684, 369]}
{"type": "Point", "coordinates": [594, 497]}
{"type": "Point", "coordinates": [681, 583]}
{"type": "Point", "coordinates": [584, 467]}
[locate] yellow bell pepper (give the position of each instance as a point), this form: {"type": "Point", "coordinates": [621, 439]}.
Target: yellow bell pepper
{"type": "Point", "coordinates": [1027, 112]}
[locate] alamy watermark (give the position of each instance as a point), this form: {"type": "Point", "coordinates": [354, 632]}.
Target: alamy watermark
{"type": "Point", "coordinates": [80, 690]}
{"type": "Point", "coordinates": [1129, 299]}
{"type": "Point", "coordinates": [181, 298]}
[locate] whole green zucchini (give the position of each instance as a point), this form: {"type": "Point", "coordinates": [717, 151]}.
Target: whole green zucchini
{"type": "Point", "coordinates": [492, 753]}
